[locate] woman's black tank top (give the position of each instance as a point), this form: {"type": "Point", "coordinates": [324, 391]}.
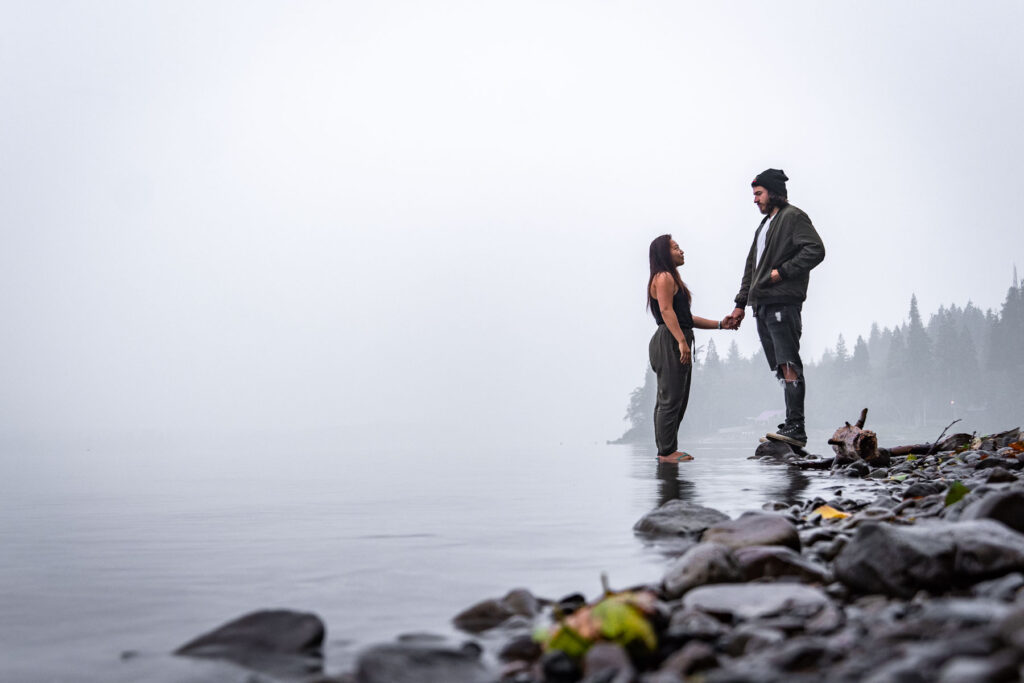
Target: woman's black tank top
{"type": "Point", "coordinates": [680, 304]}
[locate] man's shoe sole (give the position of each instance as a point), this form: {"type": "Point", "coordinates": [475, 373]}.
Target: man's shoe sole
{"type": "Point", "coordinates": [785, 439]}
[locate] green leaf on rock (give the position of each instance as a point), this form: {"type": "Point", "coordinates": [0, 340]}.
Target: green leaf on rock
{"type": "Point", "coordinates": [569, 641]}
{"type": "Point", "coordinates": [899, 477]}
{"type": "Point", "coordinates": [911, 458]}
{"type": "Point", "coordinates": [956, 491]}
{"type": "Point", "coordinates": [624, 624]}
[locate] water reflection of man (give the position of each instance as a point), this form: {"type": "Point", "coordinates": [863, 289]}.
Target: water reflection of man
{"type": "Point", "coordinates": [785, 249]}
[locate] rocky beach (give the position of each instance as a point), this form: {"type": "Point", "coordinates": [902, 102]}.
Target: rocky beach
{"type": "Point", "coordinates": [912, 571]}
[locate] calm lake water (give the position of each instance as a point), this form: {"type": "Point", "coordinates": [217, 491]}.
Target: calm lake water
{"type": "Point", "coordinates": [122, 550]}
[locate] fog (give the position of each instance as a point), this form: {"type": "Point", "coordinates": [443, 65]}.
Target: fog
{"type": "Point", "coordinates": [368, 220]}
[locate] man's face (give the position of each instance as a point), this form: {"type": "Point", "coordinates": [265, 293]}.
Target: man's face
{"type": "Point", "coordinates": [761, 199]}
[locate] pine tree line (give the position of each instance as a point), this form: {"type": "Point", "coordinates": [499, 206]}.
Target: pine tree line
{"type": "Point", "coordinates": [965, 363]}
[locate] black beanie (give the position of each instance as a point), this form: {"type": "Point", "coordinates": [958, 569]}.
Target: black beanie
{"type": "Point", "coordinates": [773, 180]}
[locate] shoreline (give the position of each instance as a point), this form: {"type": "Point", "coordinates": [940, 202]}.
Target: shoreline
{"type": "Point", "coordinates": [913, 571]}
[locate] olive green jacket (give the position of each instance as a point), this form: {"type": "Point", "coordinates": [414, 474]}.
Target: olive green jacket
{"type": "Point", "coordinates": [792, 247]}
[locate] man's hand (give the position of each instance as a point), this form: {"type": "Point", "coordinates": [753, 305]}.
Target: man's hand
{"type": "Point", "coordinates": [776, 277]}
{"type": "Point", "coordinates": [733, 320]}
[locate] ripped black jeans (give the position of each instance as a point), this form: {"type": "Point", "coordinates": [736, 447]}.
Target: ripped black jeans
{"type": "Point", "coordinates": [780, 326]}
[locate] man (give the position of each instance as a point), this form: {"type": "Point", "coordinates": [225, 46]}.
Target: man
{"type": "Point", "coordinates": [785, 249]}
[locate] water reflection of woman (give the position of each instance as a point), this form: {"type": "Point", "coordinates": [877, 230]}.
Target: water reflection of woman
{"type": "Point", "coordinates": [668, 299]}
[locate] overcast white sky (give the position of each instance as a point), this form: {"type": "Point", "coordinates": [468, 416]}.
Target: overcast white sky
{"type": "Point", "coordinates": [231, 216]}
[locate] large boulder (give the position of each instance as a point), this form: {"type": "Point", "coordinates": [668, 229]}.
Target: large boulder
{"type": "Point", "coordinates": [703, 563]}
{"type": "Point", "coordinates": [935, 556]}
{"type": "Point", "coordinates": [422, 661]}
{"type": "Point", "coordinates": [1006, 506]}
{"type": "Point", "coordinates": [678, 518]}
{"type": "Point", "coordinates": [281, 642]}
{"type": "Point", "coordinates": [759, 561]}
{"type": "Point", "coordinates": [755, 600]}
{"type": "Point", "coordinates": [754, 528]}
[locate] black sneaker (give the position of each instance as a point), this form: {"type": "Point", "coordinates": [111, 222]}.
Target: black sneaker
{"type": "Point", "coordinates": [791, 434]}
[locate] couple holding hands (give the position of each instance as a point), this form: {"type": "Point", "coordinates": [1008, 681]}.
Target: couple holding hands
{"type": "Point", "coordinates": [784, 250]}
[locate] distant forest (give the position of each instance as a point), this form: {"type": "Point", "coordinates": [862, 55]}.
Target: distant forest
{"type": "Point", "coordinates": [965, 363]}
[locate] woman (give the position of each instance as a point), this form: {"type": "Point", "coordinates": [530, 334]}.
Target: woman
{"type": "Point", "coordinates": [668, 299]}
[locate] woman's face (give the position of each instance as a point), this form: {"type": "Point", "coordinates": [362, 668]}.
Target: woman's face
{"type": "Point", "coordinates": [677, 254]}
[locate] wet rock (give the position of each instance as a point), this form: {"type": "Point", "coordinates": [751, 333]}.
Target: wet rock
{"type": "Point", "coordinates": [422, 662]}
{"type": "Point", "coordinates": [520, 648]}
{"type": "Point", "coordinates": [827, 620]}
{"type": "Point", "coordinates": [281, 642]}
{"type": "Point", "coordinates": [1000, 475]}
{"type": "Point", "coordinates": [482, 616]}
{"type": "Point", "coordinates": [751, 638]}
{"type": "Point", "coordinates": [570, 603]}
{"type": "Point", "coordinates": [870, 514]}
{"type": "Point", "coordinates": [693, 657]}
{"type": "Point", "coordinates": [522, 602]}
{"type": "Point", "coordinates": [1001, 440]}
{"type": "Point", "coordinates": [702, 564]}
{"type": "Point", "coordinates": [812, 536]}
{"type": "Point", "coordinates": [1001, 667]}
{"type": "Point", "coordinates": [678, 518]}
{"type": "Point", "coordinates": [1006, 506]}
{"type": "Point", "coordinates": [1011, 628]}
{"type": "Point", "coordinates": [775, 450]}
{"type": "Point", "coordinates": [490, 613]}
{"type": "Point", "coordinates": [753, 600]}
{"type": "Point", "coordinates": [559, 667]}
{"type": "Point", "coordinates": [958, 613]}
{"type": "Point", "coordinates": [1004, 588]}
{"type": "Point", "coordinates": [804, 654]}
{"type": "Point", "coordinates": [773, 561]}
{"type": "Point", "coordinates": [883, 558]}
{"type": "Point", "coordinates": [607, 663]}
{"type": "Point", "coordinates": [991, 462]}
{"type": "Point", "coordinates": [687, 624]}
{"type": "Point", "coordinates": [754, 528]}
{"type": "Point", "coordinates": [923, 488]}
{"type": "Point", "coordinates": [857, 469]}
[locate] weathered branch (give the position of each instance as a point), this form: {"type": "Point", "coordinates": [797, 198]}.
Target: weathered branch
{"type": "Point", "coordinates": [853, 442]}
{"type": "Point", "coordinates": [936, 442]}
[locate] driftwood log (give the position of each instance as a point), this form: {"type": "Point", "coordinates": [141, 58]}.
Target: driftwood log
{"type": "Point", "coordinates": [853, 442]}
{"type": "Point", "coordinates": [958, 442]}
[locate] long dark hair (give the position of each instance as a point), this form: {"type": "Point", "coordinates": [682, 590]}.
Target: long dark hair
{"type": "Point", "coordinates": [776, 201]}
{"type": "Point", "coordinates": [661, 262]}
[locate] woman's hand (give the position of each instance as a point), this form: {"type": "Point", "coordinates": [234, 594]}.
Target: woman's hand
{"type": "Point", "coordinates": [684, 353]}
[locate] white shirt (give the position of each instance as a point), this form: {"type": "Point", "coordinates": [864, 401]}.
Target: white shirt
{"type": "Point", "coordinates": [762, 238]}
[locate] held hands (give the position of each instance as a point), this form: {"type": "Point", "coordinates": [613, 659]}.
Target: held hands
{"type": "Point", "coordinates": [733, 320]}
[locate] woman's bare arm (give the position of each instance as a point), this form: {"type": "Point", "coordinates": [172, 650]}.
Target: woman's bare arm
{"type": "Point", "coordinates": [707, 324]}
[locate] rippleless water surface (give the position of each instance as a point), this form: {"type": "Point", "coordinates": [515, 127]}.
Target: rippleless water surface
{"type": "Point", "coordinates": [128, 551]}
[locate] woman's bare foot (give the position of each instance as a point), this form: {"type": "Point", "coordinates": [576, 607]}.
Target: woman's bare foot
{"type": "Point", "coordinates": [678, 456]}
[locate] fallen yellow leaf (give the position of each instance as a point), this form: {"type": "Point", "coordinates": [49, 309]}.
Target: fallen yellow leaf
{"type": "Point", "coordinates": [829, 512]}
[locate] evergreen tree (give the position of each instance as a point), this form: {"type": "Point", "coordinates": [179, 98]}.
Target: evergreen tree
{"type": "Point", "coordinates": [860, 363]}
{"type": "Point", "coordinates": [918, 358]}
{"type": "Point", "coordinates": [733, 358]}
{"type": "Point", "coordinates": [842, 355]}
{"type": "Point", "coordinates": [712, 361]}
{"type": "Point", "coordinates": [640, 412]}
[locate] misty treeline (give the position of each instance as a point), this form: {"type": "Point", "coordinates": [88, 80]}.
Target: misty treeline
{"type": "Point", "coordinates": [964, 363]}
